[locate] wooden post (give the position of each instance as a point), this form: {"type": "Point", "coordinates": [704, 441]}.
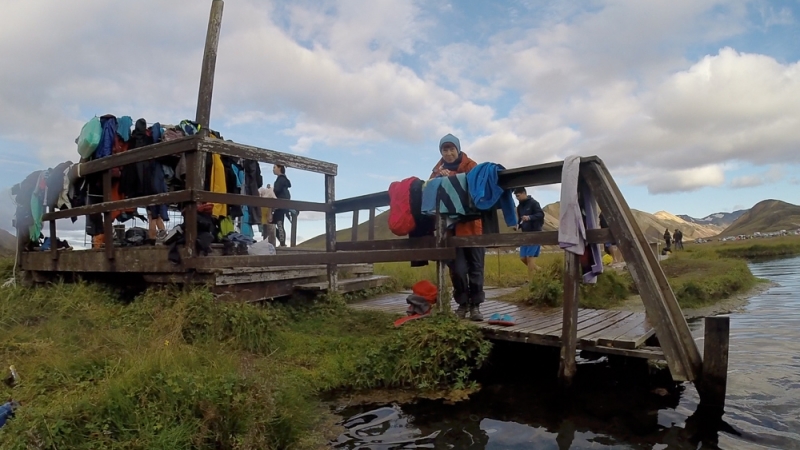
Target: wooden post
{"type": "Point", "coordinates": [194, 182]}
{"type": "Point", "coordinates": [203, 116]}
{"type": "Point", "coordinates": [293, 240]}
{"type": "Point", "coordinates": [108, 229]}
{"type": "Point", "coordinates": [53, 239]}
{"type": "Point", "coordinates": [715, 362]}
{"type": "Point", "coordinates": [371, 235]}
{"type": "Point", "coordinates": [569, 327]}
{"type": "Point", "coordinates": [680, 350]}
{"type": "Point", "coordinates": [354, 229]}
{"type": "Point", "coordinates": [330, 230]}
{"type": "Point", "coordinates": [443, 300]}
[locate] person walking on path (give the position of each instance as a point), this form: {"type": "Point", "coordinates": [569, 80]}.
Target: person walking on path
{"type": "Point", "coordinates": [667, 240]}
{"type": "Point", "coordinates": [677, 236]}
{"type": "Point", "coordinates": [530, 218]}
{"type": "Point", "coordinates": [466, 271]}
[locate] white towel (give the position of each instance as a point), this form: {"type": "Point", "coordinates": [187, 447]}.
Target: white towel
{"type": "Point", "coordinates": [571, 232]}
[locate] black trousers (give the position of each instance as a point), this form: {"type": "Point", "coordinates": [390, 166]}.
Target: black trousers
{"type": "Point", "coordinates": [466, 273]}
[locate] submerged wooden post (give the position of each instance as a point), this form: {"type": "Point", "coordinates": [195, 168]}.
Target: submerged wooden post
{"type": "Point", "coordinates": [354, 229]}
{"type": "Point", "coordinates": [715, 362]}
{"type": "Point", "coordinates": [371, 234]}
{"type": "Point", "coordinates": [569, 327]}
{"type": "Point", "coordinates": [330, 230]}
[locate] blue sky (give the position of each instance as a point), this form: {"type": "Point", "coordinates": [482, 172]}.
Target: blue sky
{"type": "Point", "coordinates": [692, 104]}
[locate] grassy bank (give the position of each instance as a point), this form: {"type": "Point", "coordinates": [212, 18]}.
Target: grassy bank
{"type": "Point", "coordinates": [175, 369]}
{"type": "Point", "coordinates": [752, 248]}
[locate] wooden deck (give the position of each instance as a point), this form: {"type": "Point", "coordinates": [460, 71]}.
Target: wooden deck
{"type": "Point", "coordinates": [610, 332]}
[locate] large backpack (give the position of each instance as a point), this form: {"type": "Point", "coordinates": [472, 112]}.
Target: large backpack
{"type": "Point", "coordinates": [401, 220]}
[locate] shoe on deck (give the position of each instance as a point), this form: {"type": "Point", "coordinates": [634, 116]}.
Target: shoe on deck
{"type": "Point", "coordinates": [462, 311]}
{"type": "Point", "coordinates": [475, 314]}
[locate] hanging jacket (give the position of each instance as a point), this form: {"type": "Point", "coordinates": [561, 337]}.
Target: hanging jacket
{"type": "Point", "coordinates": [217, 184]}
{"type": "Point", "coordinates": [467, 228]}
{"type": "Point", "coordinates": [108, 124]}
{"type": "Point", "coordinates": [486, 192]}
{"type": "Point", "coordinates": [401, 220]}
{"type": "Point", "coordinates": [252, 180]}
{"type": "Point", "coordinates": [530, 207]}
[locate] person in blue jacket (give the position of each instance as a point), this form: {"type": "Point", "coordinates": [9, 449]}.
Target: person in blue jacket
{"type": "Point", "coordinates": [530, 218]}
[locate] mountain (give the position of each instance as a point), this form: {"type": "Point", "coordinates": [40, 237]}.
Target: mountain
{"type": "Point", "coordinates": [8, 243]}
{"type": "Point", "coordinates": [653, 226]}
{"type": "Point", "coordinates": [720, 219]}
{"type": "Point", "coordinates": [766, 216]}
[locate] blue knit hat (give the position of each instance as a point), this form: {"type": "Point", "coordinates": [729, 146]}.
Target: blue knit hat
{"type": "Point", "coordinates": [451, 139]}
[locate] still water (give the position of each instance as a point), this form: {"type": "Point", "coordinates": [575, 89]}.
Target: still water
{"type": "Point", "coordinates": [615, 406]}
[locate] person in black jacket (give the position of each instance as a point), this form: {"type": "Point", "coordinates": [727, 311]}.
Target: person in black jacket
{"type": "Point", "coordinates": [281, 189]}
{"type": "Point", "coordinates": [530, 218]}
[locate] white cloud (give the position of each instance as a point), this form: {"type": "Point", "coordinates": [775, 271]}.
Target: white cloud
{"type": "Point", "coordinates": [771, 175]}
{"type": "Point", "coordinates": [685, 180]}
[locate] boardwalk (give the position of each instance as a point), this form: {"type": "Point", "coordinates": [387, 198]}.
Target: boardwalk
{"type": "Point", "coordinates": [610, 332]}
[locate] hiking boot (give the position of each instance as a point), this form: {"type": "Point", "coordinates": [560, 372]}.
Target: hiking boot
{"type": "Point", "coordinates": [462, 311]}
{"type": "Point", "coordinates": [475, 314]}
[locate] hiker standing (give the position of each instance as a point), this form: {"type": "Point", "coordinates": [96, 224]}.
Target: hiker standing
{"type": "Point", "coordinates": [678, 237]}
{"type": "Point", "coordinates": [281, 190]}
{"type": "Point", "coordinates": [266, 227]}
{"type": "Point", "coordinates": [530, 218]}
{"type": "Point", "coordinates": [667, 240]}
{"type": "Point", "coordinates": [466, 271]}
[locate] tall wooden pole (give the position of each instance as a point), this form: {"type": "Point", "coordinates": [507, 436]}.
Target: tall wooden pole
{"type": "Point", "coordinates": [203, 116]}
{"type": "Point", "coordinates": [569, 330]}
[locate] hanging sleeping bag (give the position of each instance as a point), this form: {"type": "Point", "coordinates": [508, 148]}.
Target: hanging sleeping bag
{"type": "Point", "coordinates": [89, 137]}
{"type": "Point", "coordinates": [401, 220]}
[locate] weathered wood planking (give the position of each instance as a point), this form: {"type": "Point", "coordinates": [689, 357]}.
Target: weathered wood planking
{"type": "Point", "coordinates": [99, 208]}
{"type": "Point", "coordinates": [147, 153]}
{"type": "Point", "coordinates": [347, 285]}
{"type": "Point", "coordinates": [311, 259]}
{"type": "Point", "coordinates": [251, 200]}
{"type": "Point", "coordinates": [144, 259]}
{"type": "Point", "coordinates": [616, 329]}
{"type": "Point", "coordinates": [267, 156]}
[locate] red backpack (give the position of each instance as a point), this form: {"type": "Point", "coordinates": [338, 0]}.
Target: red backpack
{"type": "Point", "coordinates": [401, 221]}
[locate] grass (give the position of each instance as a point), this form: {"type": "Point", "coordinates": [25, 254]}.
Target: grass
{"type": "Point", "coordinates": [178, 369]}
{"type": "Point", "coordinates": [751, 248]}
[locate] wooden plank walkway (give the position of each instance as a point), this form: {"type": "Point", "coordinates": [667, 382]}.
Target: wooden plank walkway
{"type": "Point", "coordinates": [611, 332]}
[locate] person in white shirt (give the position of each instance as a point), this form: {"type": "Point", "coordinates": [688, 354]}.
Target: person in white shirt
{"type": "Point", "coordinates": [267, 229]}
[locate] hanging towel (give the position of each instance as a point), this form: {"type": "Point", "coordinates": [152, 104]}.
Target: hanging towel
{"type": "Point", "coordinates": [590, 207]}
{"type": "Point", "coordinates": [454, 199]}
{"type": "Point", "coordinates": [571, 232]}
{"type": "Point", "coordinates": [486, 192]}
{"type": "Point", "coordinates": [124, 125]}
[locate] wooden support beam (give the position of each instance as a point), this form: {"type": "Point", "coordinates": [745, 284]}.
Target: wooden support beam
{"type": "Point", "coordinates": [569, 327]}
{"type": "Point", "coordinates": [371, 233]}
{"type": "Point", "coordinates": [194, 182]}
{"type": "Point", "coordinates": [251, 200]}
{"type": "Point", "coordinates": [354, 228]}
{"type": "Point", "coordinates": [330, 231]}
{"type": "Point", "coordinates": [443, 299]}
{"type": "Point", "coordinates": [128, 203]}
{"type": "Point", "coordinates": [135, 155]}
{"type": "Point", "coordinates": [108, 229]}
{"type": "Point", "coordinates": [315, 258]}
{"type": "Point", "coordinates": [293, 239]}
{"type": "Point", "coordinates": [53, 239]}
{"type": "Point", "coordinates": [599, 236]}
{"type": "Point", "coordinates": [680, 351]}
{"type": "Point", "coordinates": [714, 382]}
{"type": "Point", "coordinates": [268, 156]}
{"type": "Point", "coordinates": [203, 116]}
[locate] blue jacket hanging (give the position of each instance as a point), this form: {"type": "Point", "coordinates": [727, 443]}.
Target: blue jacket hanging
{"type": "Point", "coordinates": [485, 190]}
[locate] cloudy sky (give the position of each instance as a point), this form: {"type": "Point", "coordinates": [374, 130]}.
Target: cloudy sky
{"type": "Point", "coordinates": [692, 104]}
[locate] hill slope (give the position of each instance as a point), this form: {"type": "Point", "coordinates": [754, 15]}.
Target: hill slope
{"type": "Point", "coordinates": [652, 225]}
{"type": "Point", "coordinates": [8, 243]}
{"type": "Point", "coordinates": [766, 216]}
{"type": "Point", "coordinates": [720, 219]}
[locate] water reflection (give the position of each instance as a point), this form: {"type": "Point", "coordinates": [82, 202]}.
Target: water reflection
{"type": "Point", "coordinates": [620, 405]}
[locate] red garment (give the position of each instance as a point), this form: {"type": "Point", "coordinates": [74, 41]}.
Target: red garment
{"type": "Point", "coordinates": [401, 221]}
{"type": "Point", "coordinates": [426, 290]}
